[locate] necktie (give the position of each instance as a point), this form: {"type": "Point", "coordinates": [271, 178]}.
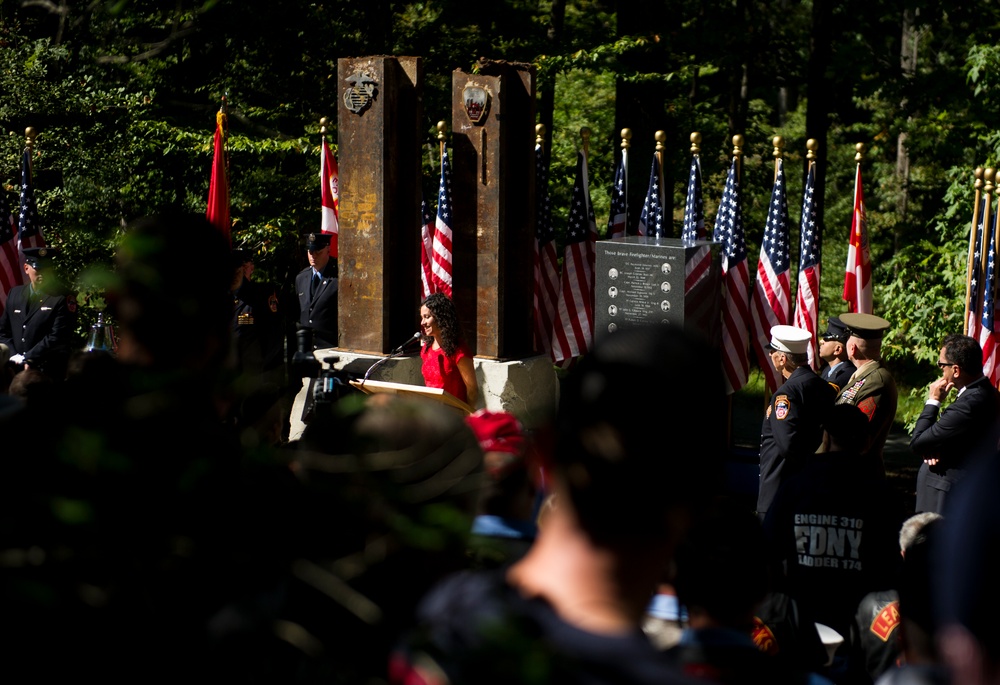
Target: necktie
{"type": "Point", "coordinates": [316, 280]}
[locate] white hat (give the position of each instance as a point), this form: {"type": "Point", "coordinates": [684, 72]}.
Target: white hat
{"type": "Point", "coordinates": [791, 339]}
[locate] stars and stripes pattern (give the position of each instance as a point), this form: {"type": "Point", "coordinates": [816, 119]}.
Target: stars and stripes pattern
{"type": "Point", "coordinates": [618, 217]}
{"type": "Point", "coordinates": [11, 269]}
{"type": "Point", "coordinates": [546, 290]}
{"type": "Point", "coordinates": [699, 262]}
{"type": "Point", "coordinates": [858, 277]}
{"type": "Point", "coordinates": [771, 299]}
{"type": "Point", "coordinates": [441, 259]}
{"type": "Point", "coordinates": [976, 273]}
{"type": "Point", "coordinates": [987, 333]}
{"type": "Point", "coordinates": [810, 257]}
{"type": "Point", "coordinates": [329, 181]}
{"type": "Point", "coordinates": [426, 249]}
{"type": "Point", "coordinates": [736, 283]}
{"type": "Point", "coordinates": [574, 326]}
{"type": "Point", "coordinates": [651, 219]}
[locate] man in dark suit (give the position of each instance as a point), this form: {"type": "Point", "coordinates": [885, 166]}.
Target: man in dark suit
{"type": "Point", "coordinates": [316, 289]}
{"type": "Point", "coordinates": [793, 425]}
{"type": "Point", "coordinates": [945, 442]}
{"type": "Point", "coordinates": [38, 323]}
{"type": "Point", "coordinates": [833, 350]}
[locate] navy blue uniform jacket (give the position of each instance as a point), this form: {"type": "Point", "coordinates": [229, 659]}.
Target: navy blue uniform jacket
{"type": "Point", "coordinates": [39, 329]}
{"type": "Point", "coordinates": [792, 429]}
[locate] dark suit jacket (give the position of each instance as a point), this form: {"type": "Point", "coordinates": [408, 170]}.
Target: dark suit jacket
{"type": "Point", "coordinates": [320, 312]}
{"type": "Point", "coordinates": [953, 437]}
{"type": "Point", "coordinates": [41, 330]}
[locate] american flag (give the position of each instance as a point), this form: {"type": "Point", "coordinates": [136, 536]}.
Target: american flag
{"type": "Point", "coordinates": [618, 218]}
{"type": "Point", "coordinates": [858, 278]}
{"type": "Point", "coordinates": [987, 335]}
{"type": "Point", "coordinates": [329, 182]}
{"type": "Point", "coordinates": [976, 273]}
{"type": "Point", "coordinates": [11, 270]}
{"type": "Point", "coordinates": [546, 258]}
{"type": "Point", "coordinates": [697, 265]}
{"type": "Point", "coordinates": [771, 301]}
{"type": "Point", "coordinates": [736, 280]}
{"type": "Point", "coordinates": [651, 219]}
{"type": "Point", "coordinates": [217, 212]}
{"type": "Point", "coordinates": [28, 232]}
{"type": "Point", "coordinates": [810, 253]}
{"type": "Point", "coordinates": [574, 325]}
{"type": "Point", "coordinates": [426, 249]}
{"type": "Point", "coordinates": [441, 267]}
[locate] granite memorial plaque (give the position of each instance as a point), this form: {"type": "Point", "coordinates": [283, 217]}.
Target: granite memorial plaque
{"type": "Point", "coordinates": [640, 280]}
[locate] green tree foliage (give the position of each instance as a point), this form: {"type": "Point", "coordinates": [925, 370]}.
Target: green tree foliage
{"type": "Point", "coordinates": [124, 95]}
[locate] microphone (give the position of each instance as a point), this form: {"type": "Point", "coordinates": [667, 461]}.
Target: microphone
{"type": "Point", "coordinates": [383, 360]}
{"type": "Point", "coordinates": [415, 336]}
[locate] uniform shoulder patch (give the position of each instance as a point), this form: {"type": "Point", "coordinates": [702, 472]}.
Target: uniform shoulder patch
{"type": "Point", "coordinates": [781, 406]}
{"type": "Point", "coordinates": [868, 406]}
{"type": "Point", "coordinates": [886, 621]}
{"type": "Point", "coordinates": [764, 638]}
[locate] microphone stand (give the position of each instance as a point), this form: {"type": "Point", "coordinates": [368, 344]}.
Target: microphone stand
{"type": "Point", "coordinates": [396, 352]}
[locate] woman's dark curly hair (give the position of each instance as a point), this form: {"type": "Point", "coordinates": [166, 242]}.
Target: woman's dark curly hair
{"type": "Point", "coordinates": [443, 310]}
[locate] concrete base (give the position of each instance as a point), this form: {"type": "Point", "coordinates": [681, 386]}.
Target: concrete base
{"type": "Point", "coordinates": [527, 388]}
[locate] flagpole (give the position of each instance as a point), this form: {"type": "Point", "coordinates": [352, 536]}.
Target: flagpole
{"type": "Point", "coordinates": [442, 140]}
{"type": "Point", "coordinates": [585, 135]}
{"type": "Point", "coordinates": [972, 247]}
{"type": "Point", "coordinates": [29, 143]}
{"type": "Point", "coordinates": [626, 144]}
{"type": "Point", "coordinates": [661, 138]}
{"type": "Point", "coordinates": [988, 178]}
{"type": "Point", "coordinates": [738, 156]}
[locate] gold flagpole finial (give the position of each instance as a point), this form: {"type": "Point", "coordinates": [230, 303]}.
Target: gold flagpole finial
{"type": "Point", "coordinates": [978, 184]}
{"type": "Point", "coordinates": [29, 137]}
{"type": "Point", "coordinates": [860, 154]}
{"type": "Point", "coordinates": [660, 137]}
{"type": "Point", "coordinates": [322, 125]}
{"type": "Point", "coordinates": [626, 138]}
{"type": "Point", "coordinates": [737, 145]}
{"type": "Point", "coordinates": [441, 128]}
{"type": "Point", "coordinates": [989, 175]}
{"type": "Point", "coordinates": [695, 143]}
{"type": "Point", "coordinates": [812, 145]}
{"type": "Point", "coordinates": [540, 134]}
{"type": "Point", "coordinates": [779, 144]}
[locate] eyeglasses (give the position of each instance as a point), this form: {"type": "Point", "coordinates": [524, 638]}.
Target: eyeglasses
{"type": "Point", "coordinates": [942, 365]}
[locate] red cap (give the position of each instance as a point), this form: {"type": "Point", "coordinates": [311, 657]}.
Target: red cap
{"type": "Point", "coordinates": [497, 431]}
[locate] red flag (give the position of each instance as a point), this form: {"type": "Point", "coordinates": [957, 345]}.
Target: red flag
{"type": "Point", "coordinates": [807, 297]}
{"type": "Point", "coordinates": [858, 279]}
{"type": "Point", "coordinates": [771, 300]}
{"type": "Point", "coordinates": [441, 267]}
{"type": "Point", "coordinates": [573, 330]}
{"type": "Point", "coordinates": [218, 189]}
{"type": "Point", "coordinates": [329, 179]}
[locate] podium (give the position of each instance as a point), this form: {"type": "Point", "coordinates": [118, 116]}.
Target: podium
{"type": "Point", "coordinates": [437, 394]}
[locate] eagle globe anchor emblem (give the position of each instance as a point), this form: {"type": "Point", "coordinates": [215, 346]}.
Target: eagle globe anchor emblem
{"type": "Point", "coordinates": [360, 92]}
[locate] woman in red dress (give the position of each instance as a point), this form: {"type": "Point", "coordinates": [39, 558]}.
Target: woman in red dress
{"type": "Point", "coordinates": [446, 359]}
